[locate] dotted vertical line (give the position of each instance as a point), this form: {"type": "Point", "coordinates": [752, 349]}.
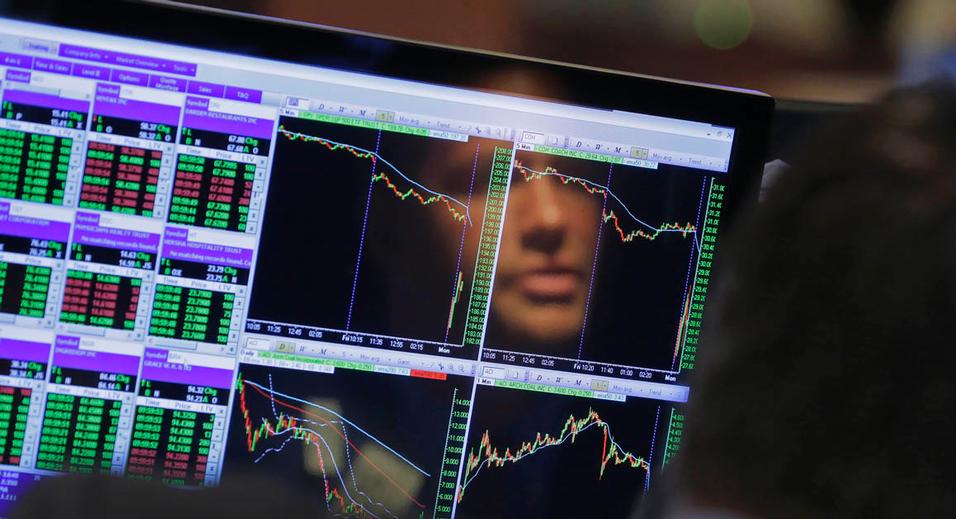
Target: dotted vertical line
{"type": "Point", "coordinates": [461, 246]}
{"type": "Point", "coordinates": [368, 204]}
{"type": "Point", "coordinates": [272, 400]}
{"type": "Point", "coordinates": [597, 249]}
{"type": "Point", "coordinates": [700, 205]}
{"type": "Point", "coordinates": [650, 456]}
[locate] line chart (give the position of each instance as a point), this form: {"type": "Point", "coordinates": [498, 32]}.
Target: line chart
{"type": "Point", "coordinates": [647, 231]}
{"type": "Point", "coordinates": [313, 430]}
{"type": "Point", "coordinates": [461, 214]}
{"type": "Point", "coordinates": [486, 455]}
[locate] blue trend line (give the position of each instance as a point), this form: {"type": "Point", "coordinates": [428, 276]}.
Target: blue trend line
{"type": "Point", "coordinates": [387, 163]}
{"type": "Point", "coordinates": [338, 472]}
{"type": "Point", "coordinates": [344, 419]}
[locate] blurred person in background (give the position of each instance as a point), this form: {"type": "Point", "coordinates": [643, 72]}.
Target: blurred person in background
{"type": "Point", "coordinates": [826, 387]}
{"type": "Point", "coordinates": [545, 260]}
{"type": "Point", "coordinates": [924, 34]}
{"type": "Point", "coordinates": [102, 497]}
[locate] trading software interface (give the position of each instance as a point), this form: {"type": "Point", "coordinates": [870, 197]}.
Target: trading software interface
{"type": "Point", "coordinates": [406, 300]}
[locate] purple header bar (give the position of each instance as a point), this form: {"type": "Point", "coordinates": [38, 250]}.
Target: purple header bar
{"type": "Point", "coordinates": [52, 65]}
{"type": "Point", "coordinates": [198, 116]}
{"type": "Point", "coordinates": [156, 367]}
{"type": "Point", "coordinates": [174, 84]}
{"type": "Point", "coordinates": [16, 60]}
{"type": "Point", "coordinates": [46, 100]}
{"type": "Point", "coordinates": [88, 231]}
{"type": "Point", "coordinates": [176, 246]}
{"type": "Point", "coordinates": [91, 71]}
{"type": "Point", "coordinates": [206, 89]}
{"type": "Point", "coordinates": [244, 94]}
{"type": "Point", "coordinates": [28, 227]}
{"type": "Point", "coordinates": [67, 354]}
{"type": "Point", "coordinates": [111, 105]}
{"type": "Point", "coordinates": [15, 349]}
{"type": "Point", "coordinates": [20, 76]}
{"type": "Point", "coordinates": [130, 78]}
{"type": "Point", "coordinates": [128, 60]}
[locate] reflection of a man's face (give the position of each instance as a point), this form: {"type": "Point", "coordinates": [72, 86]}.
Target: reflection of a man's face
{"type": "Point", "coordinates": [546, 253]}
{"type": "Point", "coordinates": [545, 260]}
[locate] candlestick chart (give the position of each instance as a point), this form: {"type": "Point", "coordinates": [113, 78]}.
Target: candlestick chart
{"type": "Point", "coordinates": [335, 438]}
{"type": "Point", "coordinates": [643, 230]}
{"type": "Point", "coordinates": [394, 220]}
{"type": "Point", "coordinates": [628, 234]}
{"type": "Point", "coordinates": [555, 456]}
{"type": "Point", "coordinates": [458, 210]}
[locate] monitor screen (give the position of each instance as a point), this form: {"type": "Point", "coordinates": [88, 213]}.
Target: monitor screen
{"type": "Point", "coordinates": [405, 299]}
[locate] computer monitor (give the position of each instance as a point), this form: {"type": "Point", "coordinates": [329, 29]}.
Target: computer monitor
{"type": "Point", "coordinates": [411, 281]}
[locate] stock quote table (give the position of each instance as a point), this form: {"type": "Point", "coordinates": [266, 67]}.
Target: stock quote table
{"type": "Point", "coordinates": [180, 418]}
{"type": "Point", "coordinates": [14, 412]}
{"type": "Point", "coordinates": [212, 192]}
{"type": "Point", "coordinates": [120, 178]}
{"type": "Point", "coordinates": [23, 288]}
{"type": "Point", "coordinates": [33, 167]}
{"type": "Point", "coordinates": [79, 434]}
{"type": "Point", "coordinates": [192, 314]}
{"type": "Point", "coordinates": [103, 300]}
{"type": "Point", "coordinates": [170, 444]}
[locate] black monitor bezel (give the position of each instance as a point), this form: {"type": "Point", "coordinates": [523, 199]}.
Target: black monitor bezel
{"type": "Point", "coordinates": [749, 112]}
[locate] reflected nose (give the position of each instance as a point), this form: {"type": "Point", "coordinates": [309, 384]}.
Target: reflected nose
{"type": "Point", "coordinates": [545, 220]}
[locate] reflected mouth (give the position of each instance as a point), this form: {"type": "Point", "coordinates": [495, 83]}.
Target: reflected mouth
{"type": "Point", "coordinates": [550, 285]}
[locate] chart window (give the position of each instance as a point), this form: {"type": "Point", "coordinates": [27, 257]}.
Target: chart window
{"type": "Point", "coordinates": [394, 185]}
{"type": "Point", "coordinates": [285, 418]}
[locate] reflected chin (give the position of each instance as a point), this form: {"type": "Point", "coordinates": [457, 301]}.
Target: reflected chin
{"type": "Point", "coordinates": [539, 327]}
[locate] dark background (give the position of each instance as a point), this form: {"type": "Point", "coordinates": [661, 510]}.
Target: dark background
{"type": "Point", "coordinates": [822, 50]}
